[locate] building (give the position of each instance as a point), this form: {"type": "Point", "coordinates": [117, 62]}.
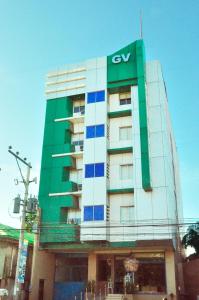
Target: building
{"type": "Point", "coordinates": [9, 241]}
{"type": "Point", "coordinates": [109, 187]}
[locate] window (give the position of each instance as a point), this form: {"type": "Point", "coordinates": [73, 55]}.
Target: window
{"type": "Point", "coordinates": [89, 171]}
{"type": "Point", "coordinates": [79, 109]}
{"type": "Point", "coordinates": [88, 213]}
{"type": "Point", "coordinates": [126, 214]}
{"type": "Point", "coordinates": [99, 130]}
{"type": "Point", "coordinates": [77, 139]}
{"type": "Point", "coordinates": [94, 131]}
{"type": "Point", "coordinates": [94, 170]}
{"type": "Point", "coordinates": [149, 278]}
{"type": "Point", "coordinates": [78, 143]}
{"type": "Point", "coordinates": [125, 98]}
{"type": "Point", "coordinates": [126, 172]}
{"type": "Point", "coordinates": [125, 133]}
{"type": "Point", "coordinates": [99, 170]}
{"type": "Point", "coordinates": [94, 213]}
{"type": "Point", "coordinates": [90, 132]}
{"type": "Point", "coordinates": [125, 101]}
{"type": "Point", "coordinates": [94, 97]}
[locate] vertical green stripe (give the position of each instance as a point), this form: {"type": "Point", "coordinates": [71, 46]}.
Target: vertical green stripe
{"type": "Point", "coordinates": [127, 73]}
{"type": "Point", "coordinates": [140, 59]}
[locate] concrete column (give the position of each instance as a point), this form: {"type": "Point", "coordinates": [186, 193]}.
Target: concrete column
{"type": "Point", "coordinates": [170, 272]}
{"type": "Point", "coordinates": [92, 267]}
{"type": "Point", "coordinates": [43, 267]}
{"type": "Point", "coordinates": [113, 270]}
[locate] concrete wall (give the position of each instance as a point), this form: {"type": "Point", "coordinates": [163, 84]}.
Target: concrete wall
{"type": "Point", "coordinates": [43, 267]}
{"type": "Point", "coordinates": [170, 272]}
{"type": "Point", "coordinates": [92, 267]}
{"type": "Point", "coordinates": [191, 279]}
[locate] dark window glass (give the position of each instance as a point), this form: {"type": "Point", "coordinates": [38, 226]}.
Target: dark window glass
{"type": "Point", "coordinates": [98, 212]}
{"type": "Point", "coordinates": [89, 170]}
{"type": "Point", "coordinates": [81, 143]}
{"type": "Point", "coordinates": [151, 275]}
{"type": "Point", "coordinates": [100, 96]}
{"type": "Point", "coordinates": [76, 109]}
{"type": "Point", "coordinates": [96, 97]}
{"type": "Point", "coordinates": [125, 101]}
{"type": "Point", "coordinates": [91, 97]}
{"type": "Point", "coordinates": [104, 270]}
{"type": "Point", "coordinates": [122, 101]}
{"type": "Point", "coordinates": [82, 108]}
{"type": "Point", "coordinates": [99, 130]}
{"type": "Point", "coordinates": [99, 170]}
{"type": "Point", "coordinates": [88, 213]}
{"type": "Point", "coordinates": [90, 132]}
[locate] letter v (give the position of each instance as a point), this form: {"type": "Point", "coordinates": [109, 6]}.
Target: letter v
{"type": "Point", "coordinates": [125, 57]}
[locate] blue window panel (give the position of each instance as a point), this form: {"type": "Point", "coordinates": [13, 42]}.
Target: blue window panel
{"type": "Point", "coordinates": [91, 97]}
{"type": "Point", "coordinates": [90, 132]}
{"type": "Point", "coordinates": [89, 170]}
{"type": "Point", "coordinates": [99, 130]}
{"type": "Point", "coordinates": [88, 213]}
{"type": "Point", "coordinates": [99, 170]}
{"type": "Point", "coordinates": [98, 212]}
{"type": "Point", "coordinates": [100, 96]}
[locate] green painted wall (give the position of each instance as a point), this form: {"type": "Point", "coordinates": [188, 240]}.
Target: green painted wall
{"type": "Point", "coordinates": [53, 179]}
{"type": "Point", "coordinates": [122, 74]}
{"type": "Point", "coordinates": [130, 73]}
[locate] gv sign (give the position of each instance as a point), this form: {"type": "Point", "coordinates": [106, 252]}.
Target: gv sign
{"type": "Point", "coordinates": [121, 58]}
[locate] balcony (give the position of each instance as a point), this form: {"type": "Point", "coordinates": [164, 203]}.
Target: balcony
{"type": "Point", "coordinates": [60, 233]}
{"type": "Point", "coordinates": [68, 188]}
{"type": "Point", "coordinates": [76, 118]}
{"type": "Point", "coordinates": [120, 150]}
{"type": "Point", "coordinates": [120, 191]}
{"type": "Point", "coordinates": [120, 113]}
{"type": "Point", "coordinates": [76, 150]}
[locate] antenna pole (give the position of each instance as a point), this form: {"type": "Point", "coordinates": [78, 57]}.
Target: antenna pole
{"type": "Point", "coordinates": [141, 32]}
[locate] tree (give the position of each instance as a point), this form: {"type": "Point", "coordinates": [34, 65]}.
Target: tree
{"type": "Point", "coordinates": [191, 238]}
{"type": "Point", "coordinates": [30, 220]}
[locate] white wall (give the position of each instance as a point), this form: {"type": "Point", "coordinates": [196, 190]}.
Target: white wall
{"type": "Point", "coordinates": [70, 86]}
{"type": "Point", "coordinates": [114, 127]}
{"type": "Point", "coordinates": [95, 150]}
{"type": "Point", "coordinates": [114, 103]}
{"type": "Point", "coordinates": [159, 205]}
{"type": "Point", "coordinates": [115, 161]}
{"type": "Point", "coordinates": [118, 230]}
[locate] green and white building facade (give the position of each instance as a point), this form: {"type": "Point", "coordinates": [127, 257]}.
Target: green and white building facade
{"type": "Point", "coordinates": [109, 186]}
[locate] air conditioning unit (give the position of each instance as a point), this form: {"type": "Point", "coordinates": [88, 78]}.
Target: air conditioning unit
{"type": "Point", "coordinates": [77, 148]}
{"type": "Point", "coordinates": [77, 114]}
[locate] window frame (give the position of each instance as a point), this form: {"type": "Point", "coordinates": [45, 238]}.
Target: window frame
{"type": "Point", "coordinates": [123, 128]}
{"type": "Point", "coordinates": [97, 96]}
{"type": "Point", "coordinates": [94, 215]}
{"type": "Point", "coordinates": [97, 170]}
{"type": "Point", "coordinates": [125, 165]}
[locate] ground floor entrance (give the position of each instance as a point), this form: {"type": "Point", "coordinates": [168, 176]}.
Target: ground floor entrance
{"type": "Point", "coordinates": [70, 274]}
{"type": "Point", "coordinates": [150, 275]}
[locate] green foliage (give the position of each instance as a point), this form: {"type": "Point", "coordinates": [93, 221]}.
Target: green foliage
{"type": "Point", "coordinates": [191, 238]}
{"type": "Point", "coordinates": [30, 220]}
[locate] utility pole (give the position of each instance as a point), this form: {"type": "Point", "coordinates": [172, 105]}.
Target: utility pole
{"type": "Point", "coordinates": [26, 181]}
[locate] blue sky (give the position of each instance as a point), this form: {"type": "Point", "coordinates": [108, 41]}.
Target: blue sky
{"type": "Point", "coordinates": [38, 36]}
